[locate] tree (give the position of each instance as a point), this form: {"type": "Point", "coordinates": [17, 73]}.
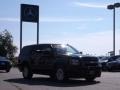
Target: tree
{"type": "Point", "coordinates": [7, 49]}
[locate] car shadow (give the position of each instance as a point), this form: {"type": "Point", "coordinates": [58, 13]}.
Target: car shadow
{"type": "Point", "coordinates": [50, 82]}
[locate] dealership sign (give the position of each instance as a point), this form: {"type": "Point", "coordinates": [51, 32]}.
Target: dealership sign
{"type": "Point", "coordinates": [29, 13]}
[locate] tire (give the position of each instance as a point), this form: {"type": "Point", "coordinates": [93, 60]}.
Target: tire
{"type": "Point", "coordinates": [60, 74]}
{"type": "Point", "coordinates": [90, 79]}
{"type": "Point", "coordinates": [27, 74]}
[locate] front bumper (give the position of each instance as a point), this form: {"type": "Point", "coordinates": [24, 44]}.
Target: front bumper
{"type": "Point", "coordinates": [77, 71]}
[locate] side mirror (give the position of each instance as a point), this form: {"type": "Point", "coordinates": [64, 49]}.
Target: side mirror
{"type": "Point", "coordinates": [81, 52]}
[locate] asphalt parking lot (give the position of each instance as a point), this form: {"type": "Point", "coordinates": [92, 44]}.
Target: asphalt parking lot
{"type": "Point", "coordinates": [14, 81]}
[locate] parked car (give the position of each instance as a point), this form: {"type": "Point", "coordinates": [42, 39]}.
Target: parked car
{"type": "Point", "coordinates": [5, 64]}
{"type": "Point", "coordinates": [59, 61]}
{"type": "Point", "coordinates": [113, 63]}
{"type": "Point", "coordinates": [103, 60]}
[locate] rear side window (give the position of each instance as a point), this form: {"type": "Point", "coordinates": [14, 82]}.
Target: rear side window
{"type": "Point", "coordinates": [42, 48]}
{"type": "Point", "coordinates": [26, 51]}
{"type": "Point", "coordinates": [45, 48]}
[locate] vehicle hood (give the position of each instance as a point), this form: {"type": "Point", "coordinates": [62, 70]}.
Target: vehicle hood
{"type": "Point", "coordinates": [103, 61]}
{"type": "Point", "coordinates": [82, 57]}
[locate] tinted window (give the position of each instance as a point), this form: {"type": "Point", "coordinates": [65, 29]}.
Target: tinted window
{"type": "Point", "coordinates": [65, 49]}
{"type": "Point", "coordinates": [26, 50]}
{"type": "Point", "coordinates": [42, 48]}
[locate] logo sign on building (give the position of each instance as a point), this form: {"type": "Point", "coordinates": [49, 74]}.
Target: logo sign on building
{"type": "Point", "coordinates": [29, 13]}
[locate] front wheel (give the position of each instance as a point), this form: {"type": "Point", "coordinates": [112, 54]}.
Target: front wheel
{"type": "Point", "coordinates": [27, 74]}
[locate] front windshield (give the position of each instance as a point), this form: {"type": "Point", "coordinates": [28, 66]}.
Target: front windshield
{"type": "Point", "coordinates": [65, 49]}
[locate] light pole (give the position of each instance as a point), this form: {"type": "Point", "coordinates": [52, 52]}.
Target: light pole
{"type": "Point", "coordinates": [110, 7]}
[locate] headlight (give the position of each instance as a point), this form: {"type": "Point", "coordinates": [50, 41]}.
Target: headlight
{"type": "Point", "coordinates": [75, 62]}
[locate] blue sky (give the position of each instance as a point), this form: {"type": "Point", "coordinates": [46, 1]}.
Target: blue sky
{"type": "Point", "coordinates": [85, 24]}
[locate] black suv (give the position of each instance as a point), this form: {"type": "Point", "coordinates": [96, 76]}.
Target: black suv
{"type": "Point", "coordinates": [59, 61]}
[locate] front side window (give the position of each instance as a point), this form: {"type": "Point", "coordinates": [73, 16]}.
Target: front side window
{"type": "Point", "coordinates": [65, 49]}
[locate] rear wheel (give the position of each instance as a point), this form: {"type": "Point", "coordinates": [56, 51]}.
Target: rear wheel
{"type": "Point", "coordinates": [27, 74]}
{"type": "Point", "coordinates": [60, 74]}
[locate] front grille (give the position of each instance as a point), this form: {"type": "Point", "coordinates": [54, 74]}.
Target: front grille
{"type": "Point", "coordinates": [91, 64]}
{"type": "Point", "coordinates": [90, 61]}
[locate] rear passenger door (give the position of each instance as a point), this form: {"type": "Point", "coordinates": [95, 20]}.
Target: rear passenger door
{"type": "Point", "coordinates": [43, 59]}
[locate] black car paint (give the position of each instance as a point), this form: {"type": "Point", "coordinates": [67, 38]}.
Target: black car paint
{"type": "Point", "coordinates": [47, 63]}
